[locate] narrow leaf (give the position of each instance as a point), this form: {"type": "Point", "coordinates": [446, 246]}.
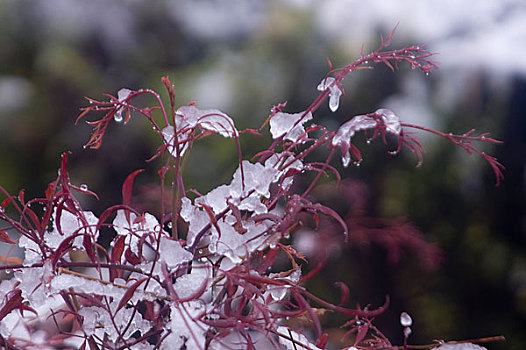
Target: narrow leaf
{"type": "Point", "coordinates": [128, 185]}
{"type": "Point", "coordinates": [21, 196]}
{"type": "Point", "coordinates": [63, 248]}
{"type": "Point", "coordinates": [129, 294]}
{"type": "Point", "coordinates": [5, 203]}
{"type": "Point", "coordinates": [88, 246]}
{"type": "Point", "coordinates": [4, 237]}
{"type": "Point", "coordinates": [131, 257]}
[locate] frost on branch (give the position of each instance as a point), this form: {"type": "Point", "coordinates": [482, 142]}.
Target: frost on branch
{"type": "Point", "coordinates": [383, 120]}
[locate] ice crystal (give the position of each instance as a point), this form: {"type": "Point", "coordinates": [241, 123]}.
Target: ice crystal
{"type": "Point", "coordinates": [334, 94]}
{"type": "Point", "coordinates": [289, 125]}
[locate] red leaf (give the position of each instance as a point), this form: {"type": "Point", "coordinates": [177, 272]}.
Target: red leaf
{"type": "Point", "coordinates": [5, 203]}
{"type": "Point", "coordinates": [21, 196]}
{"type": "Point", "coordinates": [14, 302]}
{"type": "Point", "coordinates": [322, 341]}
{"type": "Point", "coordinates": [118, 249]}
{"type": "Point", "coordinates": [129, 294]}
{"type": "Point", "coordinates": [50, 190]}
{"type": "Point", "coordinates": [331, 213]}
{"type": "Point", "coordinates": [360, 335]}
{"type": "Point", "coordinates": [64, 247]}
{"type": "Point", "coordinates": [345, 292]}
{"type": "Point", "coordinates": [108, 212]}
{"type": "Point", "coordinates": [64, 176]}
{"type": "Point", "coordinates": [268, 260]}
{"type": "Point", "coordinates": [212, 217]}
{"type": "Point", "coordinates": [128, 185]}
{"type": "Point", "coordinates": [131, 257]}
{"type": "Point", "coordinates": [32, 216]}
{"type": "Point", "coordinates": [4, 237]}
{"type": "Point", "coordinates": [88, 246]}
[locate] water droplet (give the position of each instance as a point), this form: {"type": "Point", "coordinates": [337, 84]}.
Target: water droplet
{"type": "Point", "coordinates": [483, 137]}
{"type": "Point", "coordinates": [368, 142]}
{"type": "Point", "coordinates": [90, 102]}
{"type": "Point", "coordinates": [83, 187]}
{"type": "Point", "coordinates": [405, 319]}
{"type": "Point", "coordinates": [203, 260]}
{"type": "Point", "coordinates": [427, 73]}
{"type": "Point", "coordinates": [200, 251]}
{"type": "Point", "coordinates": [118, 117]}
{"type": "Point", "coordinates": [450, 134]}
{"type": "Point", "coordinates": [407, 331]}
{"type": "Point", "coordinates": [366, 62]}
{"type": "Point", "coordinates": [412, 57]}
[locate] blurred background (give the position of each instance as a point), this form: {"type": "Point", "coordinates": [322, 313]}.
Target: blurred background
{"type": "Point", "coordinates": [243, 57]}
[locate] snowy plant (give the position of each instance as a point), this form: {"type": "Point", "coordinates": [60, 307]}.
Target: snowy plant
{"type": "Point", "coordinates": [202, 274]}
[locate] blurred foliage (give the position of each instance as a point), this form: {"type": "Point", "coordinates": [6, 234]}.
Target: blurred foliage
{"type": "Point", "coordinates": [480, 288]}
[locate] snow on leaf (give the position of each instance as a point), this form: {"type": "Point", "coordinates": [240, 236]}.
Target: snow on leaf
{"type": "Point", "coordinates": [391, 120]}
{"type": "Point", "coordinates": [218, 122]}
{"type": "Point", "coordinates": [172, 253]}
{"type": "Point", "coordinates": [195, 217]}
{"type": "Point", "coordinates": [71, 224]}
{"type": "Point", "coordinates": [98, 322]}
{"type": "Point", "coordinates": [133, 227]}
{"type": "Point", "coordinates": [187, 118]}
{"type": "Point", "coordinates": [334, 94]}
{"type": "Point", "coordinates": [64, 282]}
{"type": "Point", "coordinates": [289, 125]}
{"type": "Point", "coordinates": [349, 128]}
{"type": "Point", "coordinates": [189, 285]}
{"type": "Point", "coordinates": [185, 328]}
{"type": "Point", "coordinates": [343, 136]}
{"type": "Point", "coordinates": [291, 163]}
{"type": "Point", "coordinates": [31, 250]}
{"type": "Point", "coordinates": [345, 133]}
{"type": "Point", "coordinates": [216, 198]}
{"type": "Point", "coordinates": [237, 246]}
{"type": "Point", "coordinates": [258, 177]}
